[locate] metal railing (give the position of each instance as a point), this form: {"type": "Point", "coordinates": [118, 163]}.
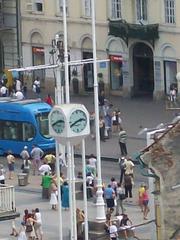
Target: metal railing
{"type": "Point", "coordinates": [7, 199]}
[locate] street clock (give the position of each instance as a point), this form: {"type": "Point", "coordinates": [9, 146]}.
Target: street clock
{"type": "Point", "coordinates": [69, 122]}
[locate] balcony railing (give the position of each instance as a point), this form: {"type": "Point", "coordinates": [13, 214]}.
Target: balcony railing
{"type": "Point", "coordinates": [7, 198]}
{"type": "Point", "coordinates": [7, 203]}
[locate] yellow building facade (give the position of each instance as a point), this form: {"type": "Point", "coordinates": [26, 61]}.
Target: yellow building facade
{"type": "Point", "coordinates": [140, 37]}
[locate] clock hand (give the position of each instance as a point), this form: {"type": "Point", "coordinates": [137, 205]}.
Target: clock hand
{"type": "Point", "coordinates": [79, 120]}
{"type": "Point", "coordinates": [58, 121]}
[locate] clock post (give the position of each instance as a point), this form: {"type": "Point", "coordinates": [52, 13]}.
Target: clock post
{"type": "Point", "coordinates": [69, 125]}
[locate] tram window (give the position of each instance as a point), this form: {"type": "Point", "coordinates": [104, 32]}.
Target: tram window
{"type": "Point", "coordinates": [17, 131]}
{"type": "Point", "coordinates": [42, 120]}
{"type": "Point", "coordinates": [28, 132]}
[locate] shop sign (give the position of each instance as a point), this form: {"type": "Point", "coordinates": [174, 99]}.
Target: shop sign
{"type": "Point", "coordinates": [115, 58]}
{"type": "Point", "coordinates": [38, 50]}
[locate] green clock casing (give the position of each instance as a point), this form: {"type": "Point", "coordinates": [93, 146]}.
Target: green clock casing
{"type": "Point", "coordinates": [57, 121]}
{"type": "Point", "coordinates": [78, 121]}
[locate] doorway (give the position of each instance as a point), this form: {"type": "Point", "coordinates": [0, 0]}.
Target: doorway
{"type": "Point", "coordinates": [88, 73]}
{"type": "Point", "coordinates": [143, 70]}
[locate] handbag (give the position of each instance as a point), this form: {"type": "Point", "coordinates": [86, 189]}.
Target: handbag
{"type": "Point", "coordinates": [29, 228]}
{"type": "Point", "coordinates": [122, 196]}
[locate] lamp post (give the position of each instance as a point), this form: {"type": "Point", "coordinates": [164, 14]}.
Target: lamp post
{"type": "Point", "coordinates": [100, 214]}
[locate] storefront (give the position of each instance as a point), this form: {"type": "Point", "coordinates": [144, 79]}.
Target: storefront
{"type": "Point", "coordinates": [116, 73]}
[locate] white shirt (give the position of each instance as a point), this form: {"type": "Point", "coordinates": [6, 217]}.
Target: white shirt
{"type": "Point", "coordinates": [113, 231]}
{"type": "Point", "coordinates": [3, 90]}
{"type": "Point", "coordinates": [38, 217]}
{"type": "Point", "coordinates": [19, 95]}
{"type": "Point", "coordinates": [44, 168]}
{"type": "Point", "coordinates": [92, 162]}
{"type": "Point", "coordinates": [18, 85]}
{"type": "Point", "coordinates": [129, 165]}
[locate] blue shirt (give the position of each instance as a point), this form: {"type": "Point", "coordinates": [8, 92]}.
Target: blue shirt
{"type": "Point", "coordinates": [108, 193]}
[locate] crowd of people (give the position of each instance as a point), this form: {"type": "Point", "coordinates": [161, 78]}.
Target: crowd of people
{"type": "Point", "coordinates": [31, 226]}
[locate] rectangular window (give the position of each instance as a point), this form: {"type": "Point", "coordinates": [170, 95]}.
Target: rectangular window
{"type": "Point", "coordinates": [169, 11]}
{"type": "Point", "coordinates": [38, 5]}
{"type": "Point", "coordinates": [115, 9]}
{"type": "Point", "coordinates": [141, 10]}
{"type": "Point", "coordinates": [87, 8]}
{"type": "Point", "coordinates": [35, 6]}
{"type": "Point", "coordinates": [61, 7]}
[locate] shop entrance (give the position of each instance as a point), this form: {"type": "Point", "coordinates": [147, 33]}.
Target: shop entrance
{"type": "Point", "coordinates": [143, 71]}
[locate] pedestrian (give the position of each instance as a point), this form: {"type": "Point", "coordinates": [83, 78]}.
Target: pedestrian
{"type": "Point", "coordinates": [145, 198]}
{"type": "Point", "coordinates": [126, 225]}
{"type": "Point", "coordinates": [101, 103]}
{"type": "Point", "coordinates": [3, 91]}
{"type": "Point", "coordinates": [25, 154]}
{"type": "Point", "coordinates": [92, 162]}
{"type": "Point", "coordinates": [113, 231]}
{"type": "Point", "coordinates": [51, 161]}
{"type": "Point", "coordinates": [26, 166]}
{"type": "Point", "coordinates": [80, 221]}
{"type": "Point", "coordinates": [102, 128]}
{"type": "Point", "coordinates": [21, 234]}
{"type": "Point", "coordinates": [65, 196]}
{"type": "Point", "coordinates": [114, 184]}
{"type": "Point", "coordinates": [19, 95]}
{"type": "Point", "coordinates": [46, 183]}
{"type": "Point", "coordinates": [120, 197]}
{"type": "Point", "coordinates": [114, 122]}
{"type": "Point", "coordinates": [53, 199]}
{"type": "Point", "coordinates": [119, 120]}
{"type": "Point", "coordinates": [38, 224]}
{"type": "Point", "coordinates": [49, 100]}
{"type": "Point", "coordinates": [37, 86]}
{"type": "Point", "coordinates": [92, 124]}
{"type": "Point", "coordinates": [128, 186]}
{"type": "Point", "coordinates": [2, 174]}
{"type": "Point", "coordinates": [11, 162]}
{"type": "Point", "coordinates": [36, 154]}
{"type": "Point", "coordinates": [109, 195]}
{"type": "Point", "coordinates": [129, 168]}
{"type": "Point", "coordinates": [24, 90]}
{"type": "Point", "coordinates": [122, 162]}
{"type": "Point", "coordinates": [44, 168]}
{"type": "Point", "coordinates": [26, 212]}
{"type": "Point", "coordinates": [17, 85]}
{"type": "Point", "coordinates": [141, 191]}
{"type": "Point", "coordinates": [107, 222]}
{"type": "Point", "coordinates": [30, 232]}
{"type": "Point", "coordinates": [122, 142]}
{"type": "Point", "coordinates": [89, 169]}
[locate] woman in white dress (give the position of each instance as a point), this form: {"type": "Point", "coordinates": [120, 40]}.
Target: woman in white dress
{"type": "Point", "coordinates": [53, 199]}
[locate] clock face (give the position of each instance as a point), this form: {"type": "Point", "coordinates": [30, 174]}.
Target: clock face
{"type": "Point", "coordinates": [78, 121]}
{"type": "Point", "coordinates": [57, 121]}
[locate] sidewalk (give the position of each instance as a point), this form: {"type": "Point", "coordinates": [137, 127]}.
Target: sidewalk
{"type": "Point", "coordinates": [132, 209]}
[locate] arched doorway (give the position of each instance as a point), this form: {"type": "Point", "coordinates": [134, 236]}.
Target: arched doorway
{"type": "Point", "coordinates": [143, 71]}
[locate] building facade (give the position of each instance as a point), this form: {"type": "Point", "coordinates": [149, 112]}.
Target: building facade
{"type": "Point", "coordinates": [140, 37]}
{"type": "Point", "coordinates": [9, 35]}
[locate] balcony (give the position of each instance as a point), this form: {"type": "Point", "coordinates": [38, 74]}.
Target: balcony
{"type": "Point", "coordinates": [124, 30]}
{"type": "Point", "coordinates": [7, 203]}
